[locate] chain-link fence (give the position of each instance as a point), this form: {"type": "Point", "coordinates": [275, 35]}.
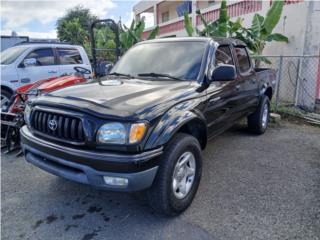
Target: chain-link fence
{"type": "Point", "coordinates": [298, 81]}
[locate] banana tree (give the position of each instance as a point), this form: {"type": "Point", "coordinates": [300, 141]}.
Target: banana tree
{"type": "Point", "coordinates": [261, 30]}
{"type": "Point", "coordinates": [256, 37]}
{"type": "Point", "coordinates": [218, 28]}
{"type": "Point", "coordinates": [133, 35]}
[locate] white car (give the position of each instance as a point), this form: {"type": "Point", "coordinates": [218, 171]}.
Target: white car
{"type": "Point", "coordinates": [30, 62]}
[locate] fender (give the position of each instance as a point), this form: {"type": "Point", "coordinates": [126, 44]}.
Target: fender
{"type": "Point", "coordinates": [173, 120]}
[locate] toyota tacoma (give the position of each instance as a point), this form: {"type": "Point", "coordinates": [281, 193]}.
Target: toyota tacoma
{"type": "Point", "coordinates": [144, 125]}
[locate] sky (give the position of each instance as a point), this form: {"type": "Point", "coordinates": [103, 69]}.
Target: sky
{"type": "Point", "coordinates": [37, 19]}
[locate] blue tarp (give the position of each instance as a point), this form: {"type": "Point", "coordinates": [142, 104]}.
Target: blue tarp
{"type": "Point", "coordinates": [186, 6]}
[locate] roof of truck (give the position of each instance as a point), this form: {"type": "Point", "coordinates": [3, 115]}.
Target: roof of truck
{"type": "Point", "coordinates": [219, 40]}
{"type": "Point", "coordinates": [229, 41]}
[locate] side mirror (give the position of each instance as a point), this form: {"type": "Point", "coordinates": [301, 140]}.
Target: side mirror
{"type": "Point", "coordinates": [108, 68]}
{"type": "Point", "coordinates": [29, 62]}
{"type": "Point", "coordinates": [223, 72]}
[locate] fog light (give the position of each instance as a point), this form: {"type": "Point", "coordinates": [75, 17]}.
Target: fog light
{"type": "Point", "coordinates": [116, 181]}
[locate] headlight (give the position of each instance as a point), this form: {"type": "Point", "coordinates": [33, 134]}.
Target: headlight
{"type": "Point", "coordinates": [118, 133]}
{"type": "Point", "coordinates": [112, 133]}
{"type": "Point", "coordinates": [27, 113]}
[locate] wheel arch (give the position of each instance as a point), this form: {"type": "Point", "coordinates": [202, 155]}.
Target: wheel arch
{"type": "Point", "coordinates": [7, 88]}
{"type": "Point", "coordinates": [269, 93]}
{"type": "Point", "coordinates": [197, 128]}
{"type": "Point", "coordinates": [188, 122]}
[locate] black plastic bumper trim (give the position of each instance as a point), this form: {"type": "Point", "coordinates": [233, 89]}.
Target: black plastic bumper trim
{"type": "Point", "coordinates": [101, 161]}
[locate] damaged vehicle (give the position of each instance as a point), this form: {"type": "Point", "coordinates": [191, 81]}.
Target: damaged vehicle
{"type": "Point", "coordinates": [12, 114]}
{"type": "Point", "coordinates": [143, 126]}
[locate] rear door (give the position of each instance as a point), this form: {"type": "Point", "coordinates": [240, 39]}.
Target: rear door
{"type": "Point", "coordinates": [45, 67]}
{"type": "Point", "coordinates": [249, 95]}
{"type": "Point", "coordinates": [69, 58]}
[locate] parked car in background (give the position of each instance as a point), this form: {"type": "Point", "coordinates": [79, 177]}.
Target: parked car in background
{"type": "Point", "coordinates": [12, 117]}
{"type": "Point", "coordinates": [29, 62]}
{"type": "Point", "coordinates": [144, 125]}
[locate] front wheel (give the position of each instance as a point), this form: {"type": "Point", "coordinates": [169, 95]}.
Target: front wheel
{"type": "Point", "coordinates": [258, 121]}
{"type": "Point", "coordinates": [178, 177]}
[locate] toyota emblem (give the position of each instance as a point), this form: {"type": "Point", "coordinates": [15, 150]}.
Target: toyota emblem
{"type": "Point", "coordinates": [52, 124]}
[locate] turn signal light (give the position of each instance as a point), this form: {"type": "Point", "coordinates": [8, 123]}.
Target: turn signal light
{"type": "Point", "coordinates": [137, 132]}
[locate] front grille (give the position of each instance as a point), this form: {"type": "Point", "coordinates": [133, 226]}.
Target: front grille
{"type": "Point", "coordinates": [65, 128]}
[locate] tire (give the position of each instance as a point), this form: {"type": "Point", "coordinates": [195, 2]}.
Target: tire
{"type": "Point", "coordinates": [161, 196]}
{"type": "Point", "coordinates": [5, 99]}
{"type": "Point", "coordinates": [258, 121]}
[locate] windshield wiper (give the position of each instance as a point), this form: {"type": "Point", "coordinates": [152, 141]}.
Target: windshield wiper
{"type": "Point", "coordinates": [152, 74]}
{"type": "Point", "coordinates": [120, 75]}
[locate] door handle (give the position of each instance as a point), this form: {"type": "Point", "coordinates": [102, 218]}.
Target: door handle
{"type": "Point", "coordinates": [52, 71]}
{"type": "Point", "coordinates": [237, 87]}
{"type": "Point", "coordinates": [25, 80]}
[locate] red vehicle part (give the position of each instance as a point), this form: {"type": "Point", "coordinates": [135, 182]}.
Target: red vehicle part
{"type": "Point", "coordinates": [41, 87]}
{"type": "Point", "coordinates": [12, 120]}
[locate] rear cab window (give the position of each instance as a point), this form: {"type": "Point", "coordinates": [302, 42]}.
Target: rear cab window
{"type": "Point", "coordinates": [243, 59]}
{"type": "Point", "coordinates": [43, 56]}
{"type": "Point", "coordinates": [68, 56]}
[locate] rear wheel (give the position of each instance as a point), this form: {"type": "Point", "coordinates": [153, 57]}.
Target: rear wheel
{"type": "Point", "coordinates": [178, 177]}
{"type": "Point", "coordinates": [5, 99]}
{"type": "Point", "coordinates": [258, 121]}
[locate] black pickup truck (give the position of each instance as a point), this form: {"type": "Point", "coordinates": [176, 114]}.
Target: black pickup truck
{"type": "Point", "coordinates": [144, 125]}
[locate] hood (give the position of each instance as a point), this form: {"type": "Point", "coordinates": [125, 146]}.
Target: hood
{"type": "Point", "coordinates": [51, 84]}
{"type": "Point", "coordinates": [60, 82]}
{"type": "Point", "coordinates": [134, 98]}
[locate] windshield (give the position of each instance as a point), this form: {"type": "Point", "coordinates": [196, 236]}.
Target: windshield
{"type": "Point", "coordinates": [177, 59]}
{"type": "Point", "coordinates": [9, 55]}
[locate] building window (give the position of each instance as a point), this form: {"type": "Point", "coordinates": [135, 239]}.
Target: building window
{"type": "Point", "coordinates": [165, 17]}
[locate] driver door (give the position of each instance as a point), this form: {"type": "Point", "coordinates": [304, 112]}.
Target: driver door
{"type": "Point", "coordinates": [222, 96]}
{"type": "Point", "coordinates": [43, 67]}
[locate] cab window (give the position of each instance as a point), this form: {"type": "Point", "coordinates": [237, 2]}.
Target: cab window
{"type": "Point", "coordinates": [224, 56]}
{"type": "Point", "coordinates": [243, 59]}
{"type": "Point", "coordinates": [43, 56]}
{"type": "Point", "coordinates": [69, 56]}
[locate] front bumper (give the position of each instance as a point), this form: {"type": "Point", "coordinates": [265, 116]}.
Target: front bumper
{"type": "Point", "coordinates": [89, 167]}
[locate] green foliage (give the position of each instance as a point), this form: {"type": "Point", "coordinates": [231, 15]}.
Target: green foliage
{"type": "Point", "coordinates": [272, 17]}
{"type": "Point", "coordinates": [188, 24]}
{"type": "Point", "coordinates": [133, 35]}
{"type": "Point", "coordinates": [74, 27]}
{"type": "Point", "coordinates": [219, 28]}
{"type": "Point", "coordinates": [256, 37]}
{"type": "Point", "coordinates": [154, 33]}
{"type": "Point", "coordinates": [223, 19]}
{"type": "Point", "coordinates": [76, 18]}
{"type": "Point", "coordinates": [73, 32]}
{"type": "Point", "coordinates": [105, 41]}
{"type": "Point", "coordinates": [261, 30]}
